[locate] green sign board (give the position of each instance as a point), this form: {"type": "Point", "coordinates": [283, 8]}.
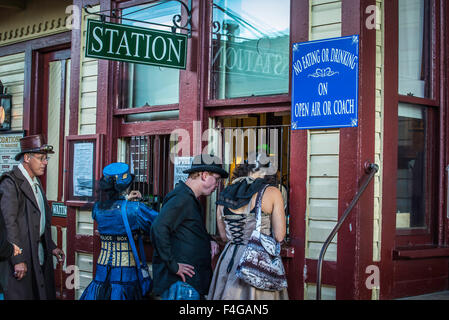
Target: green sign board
{"type": "Point", "coordinates": [59, 209]}
{"type": "Point", "coordinates": [120, 42]}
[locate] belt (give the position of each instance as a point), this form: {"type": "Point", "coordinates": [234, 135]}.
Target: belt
{"type": "Point", "coordinates": [116, 251]}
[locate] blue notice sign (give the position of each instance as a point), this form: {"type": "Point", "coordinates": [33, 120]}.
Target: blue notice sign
{"type": "Point", "coordinates": [325, 83]}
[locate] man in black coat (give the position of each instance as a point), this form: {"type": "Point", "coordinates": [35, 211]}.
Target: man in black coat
{"type": "Point", "coordinates": [27, 218]}
{"type": "Point", "coordinates": [183, 249]}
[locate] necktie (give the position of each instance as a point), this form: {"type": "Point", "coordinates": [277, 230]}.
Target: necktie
{"type": "Point", "coordinates": [40, 202]}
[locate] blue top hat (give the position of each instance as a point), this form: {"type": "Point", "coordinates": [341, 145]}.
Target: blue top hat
{"type": "Point", "coordinates": [118, 174]}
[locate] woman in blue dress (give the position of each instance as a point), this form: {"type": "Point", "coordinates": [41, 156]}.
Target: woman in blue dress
{"type": "Point", "coordinates": [116, 275]}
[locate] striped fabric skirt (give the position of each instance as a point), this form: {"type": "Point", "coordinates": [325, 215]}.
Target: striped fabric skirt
{"type": "Point", "coordinates": [116, 273]}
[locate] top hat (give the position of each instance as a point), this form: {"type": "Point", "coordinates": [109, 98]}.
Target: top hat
{"type": "Point", "coordinates": [33, 144]}
{"type": "Point", "coordinates": [118, 174]}
{"type": "Point", "coordinates": [207, 162]}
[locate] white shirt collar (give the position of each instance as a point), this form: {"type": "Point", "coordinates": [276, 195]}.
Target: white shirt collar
{"type": "Point", "coordinates": [27, 176]}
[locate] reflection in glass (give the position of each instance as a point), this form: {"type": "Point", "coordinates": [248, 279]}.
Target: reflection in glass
{"type": "Point", "coordinates": [415, 38]}
{"type": "Point", "coordinates": [250, 48]}
{"type": "Point", "coordinates": [144, 85]}
{"type": "Point", "coordinates": [411, 179]}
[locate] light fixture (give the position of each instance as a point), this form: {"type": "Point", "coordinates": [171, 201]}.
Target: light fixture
{"type": "Point", "coordinates": [5, 109]}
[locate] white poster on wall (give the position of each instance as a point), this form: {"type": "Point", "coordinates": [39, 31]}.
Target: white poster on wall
{"type": "Point", "coordinates": [9, 147]}
{"type": "Point", "coordinates": [83, 165]}
{"type": "Point", "coordinates": [181, 164]}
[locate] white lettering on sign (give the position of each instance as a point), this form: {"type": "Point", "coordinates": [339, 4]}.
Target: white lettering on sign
{"type": "Point", "coordinates": [302, 109]}
{"type": "Point", "coordinates": [322, 89]}
{"type": "Point", "coordinates": [158, 48]}
{"type": "Point", "coordinates": [325, 108]}
{"type": "Point", "coordinates": [325, 83]}
{"type": "Point", "coordinates": [98, 39]}
{"type": "Point", "coordinates": [242, 59]}
{"type": "Point", "coordinates": [138, 35]}
{"type": "Point", "coordinates": [344, 106]}
{"type": "Point", "coordinates": [344, 57]}
{"type": "Point", "coordinates": [311, 59]}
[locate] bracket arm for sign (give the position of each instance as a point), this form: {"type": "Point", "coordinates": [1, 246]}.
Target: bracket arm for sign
{"type": "Point", "coordinates": [176, 18]}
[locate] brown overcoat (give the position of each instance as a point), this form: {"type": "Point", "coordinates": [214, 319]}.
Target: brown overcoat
{"type": "Point", "coordinates": [22, 219]}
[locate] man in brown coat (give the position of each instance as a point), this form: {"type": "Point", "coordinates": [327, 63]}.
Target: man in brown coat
{"type": "Point", "coordinates": [27, 218]}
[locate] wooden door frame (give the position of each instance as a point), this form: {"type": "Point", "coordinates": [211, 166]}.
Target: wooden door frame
{"type": "Point", "coordinates": [391, 266]}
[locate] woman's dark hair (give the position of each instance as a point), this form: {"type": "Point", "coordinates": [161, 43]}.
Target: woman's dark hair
{"type": "Point", "coordinates": [255, 162]}
{"type": "Point", "coordinates": [106, 193]}
{"type": "Point", "coordinates": [242, 170]}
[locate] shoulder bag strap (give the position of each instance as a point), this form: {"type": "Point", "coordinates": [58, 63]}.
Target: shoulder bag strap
{"type": "Point", "coordinates": [130, 235]}
{"type": "Point", "coordinates": [259, 208]}
{"type": "Point", "coordinates": [141, 250]}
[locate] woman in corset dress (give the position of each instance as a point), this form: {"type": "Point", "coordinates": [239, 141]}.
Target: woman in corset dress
{"type": "Point", "coordinates": [116, 272]}
{"type": "Point", "coordinates": [236, 220]}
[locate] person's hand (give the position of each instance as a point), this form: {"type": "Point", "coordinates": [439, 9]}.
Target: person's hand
{"type": "Point", "coordinates": [214, 248]}
{"type": "Point", "coordinates": [17, 250]}
{"type": "Point", "coordinates": [20, 270]}
{"type": "Point", "coordinates": [185, 269]}
{"type": "Point", "coordinates": [134, 195]}
{"type": "Point", "coordinates": [59, 254]}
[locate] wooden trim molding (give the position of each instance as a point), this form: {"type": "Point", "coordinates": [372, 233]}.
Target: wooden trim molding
{"type": "Point", "coordinates": [421, 253]}
{"type": "Point", "coordinates": [32, 31]}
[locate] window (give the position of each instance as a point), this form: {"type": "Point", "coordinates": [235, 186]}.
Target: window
{"type": "Point", "coordinates": [413, 135]}
{"type": "Point", "coordinates": [249, 48]}
{"type": "Point", "coordinates": [417, 119]}
{"type": "Point", "coordinates": [267, 133]}
{"type": "Point", "coordinates": [149, 160]}
{"type": "Point", "coordinates": [142, 85]}
{"type": "Point", "coordinates": [415, 52]}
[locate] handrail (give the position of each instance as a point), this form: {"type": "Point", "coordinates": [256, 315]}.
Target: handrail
{"type": "Point", "coordinates": [447, 192]}
{"type": "Point", "coordinates": [372, 169]}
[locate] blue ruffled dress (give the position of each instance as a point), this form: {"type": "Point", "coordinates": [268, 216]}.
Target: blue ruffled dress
{"type": "Point", "coordinates": [116, 272]}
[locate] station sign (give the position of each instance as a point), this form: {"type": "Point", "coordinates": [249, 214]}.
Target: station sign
{"type": "Point", "coordinates": [113, 41]}
{"type": "Point", "coordinates": [325, 83]}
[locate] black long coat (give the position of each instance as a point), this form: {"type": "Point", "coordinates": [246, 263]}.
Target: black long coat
{"type": "Point", "coordinates": [22, 219]}
{"type": "Point", "coordinates": [6, 251]}
{"type": "Point", "coordinates": [179, 235]}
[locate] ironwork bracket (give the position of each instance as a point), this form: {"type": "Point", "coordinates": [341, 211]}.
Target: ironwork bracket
{"type": "Point", "coordinates": [177, 18]}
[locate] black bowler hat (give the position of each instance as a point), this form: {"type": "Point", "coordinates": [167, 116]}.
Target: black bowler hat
{"type": "Point", "coordinates": [207, 162]}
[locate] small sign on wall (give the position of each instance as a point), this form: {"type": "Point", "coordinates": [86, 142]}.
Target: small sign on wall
{"type": "Point", "coordinates": [59, 209]}
{"type": "Point", "coordinates": [181, 164]}
{"type": "Point", "coordinates": [9, 147]}
{"type": "Point", "coordinates": [325, 82]}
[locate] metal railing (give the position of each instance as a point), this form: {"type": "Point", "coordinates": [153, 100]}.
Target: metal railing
{"type": "Point", "coordinates": [447, 192]}
{"type": "Point", "coordinates": [372, 169]}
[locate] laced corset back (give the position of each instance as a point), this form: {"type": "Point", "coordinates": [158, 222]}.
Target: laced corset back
{"type": "Point", "coordinates": [239, 226]}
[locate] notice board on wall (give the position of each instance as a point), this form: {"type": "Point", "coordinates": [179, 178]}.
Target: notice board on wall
{"type": "Point", "coordinates": [325, 83]}
{"type": "Point", "coordinates": [9, 147]}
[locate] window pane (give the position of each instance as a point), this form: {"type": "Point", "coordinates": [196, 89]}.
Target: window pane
{"type": "Point", "coordinates": [412, 157]}
{"type": "Point", "coordinates": [144, 85]}
{"type": "Point", "coordinates": [415, 50]}
{"type": "Point", "coordinates": [250, 48]}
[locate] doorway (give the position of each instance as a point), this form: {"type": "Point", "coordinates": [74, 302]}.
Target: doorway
{"type": "Point", "coordinates": [51, 119]}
